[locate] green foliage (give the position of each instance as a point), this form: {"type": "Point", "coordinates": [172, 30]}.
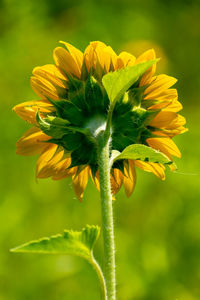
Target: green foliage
{"type": "Point", "coordinates": [118, 82]}
{"type": "Point", "coordinates": [79, 243]}
{"type": "Point", "coordinates": [142, 152]}
{"type": "Point", "coordinates": [76, 243]}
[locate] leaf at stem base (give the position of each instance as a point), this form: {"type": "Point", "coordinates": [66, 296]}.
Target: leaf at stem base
{"type": "Point", "coordinates": [79, 243]}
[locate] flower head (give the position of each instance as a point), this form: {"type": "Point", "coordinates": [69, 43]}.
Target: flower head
{"type": "Point", "coordinates": [73, 109]}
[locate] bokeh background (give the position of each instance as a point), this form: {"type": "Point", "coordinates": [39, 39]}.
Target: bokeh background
{"type": "Point", "coordinates": [158, 228]}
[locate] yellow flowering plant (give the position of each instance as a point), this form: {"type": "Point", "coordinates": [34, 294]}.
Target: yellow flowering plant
{"type": "Point", "coordinates": [101, 115]}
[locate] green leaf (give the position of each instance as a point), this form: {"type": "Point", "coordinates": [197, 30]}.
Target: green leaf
{"type": "Point", "coordinates": [79, 243]}
{"type": "Point", "coordinates": [118, 82]}
{"type": "Point", "coordinates": [144, 153]}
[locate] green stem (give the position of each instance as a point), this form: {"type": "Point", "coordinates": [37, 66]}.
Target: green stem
{"type": "Point", "coordinates": [107, 215]}
{"type": "Point", "coordinates": [99, 272]}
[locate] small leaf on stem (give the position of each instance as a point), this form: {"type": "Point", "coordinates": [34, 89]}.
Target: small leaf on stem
{"type": "Point", "coordinates": [144, 153]}
{"type": "Point", "coordinates": [79, 243]}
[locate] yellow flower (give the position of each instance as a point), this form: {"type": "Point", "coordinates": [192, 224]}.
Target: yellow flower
{"type": "Point", "coordinates": [71, 94]}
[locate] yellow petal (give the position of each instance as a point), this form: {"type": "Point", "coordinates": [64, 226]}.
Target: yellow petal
{"type": "Point", "coordinates": [94, 52]}
{"type": "Point", "coordinates": [173, 132]}
{"type": "Point", "coordinates": [43, 88]}
{"type": "Point", "coordinates": [156, 169]}
{"type": "Point", "coordinates": [168, 120]}
{"type": "Point", "coordinates": [48, 167]}
{"type": "Point", "coordinates": [164, 144]}
{"type": "Point", "coordinates": [161, 105]}
{"type": "Point", "coordinates": [108, 57]}
{"type": "Point", "coordinates": [167, 105]}
{"type": "Point", "coordinates": [173, 106]}
{"type": "Point", "coordinates": [125, 59]}
{"type": "Point", "coordinates": [163, 118]}
{"type": "Point", "coordinates": [96, 180]}
{"type": "Point", "coordinates": [116, 180]}
{"type": "Point", "coordinates": [97, 53]}
{"type": "Point", "coordinates": [166, 95]}
{"type": "Point", "coordinates": [148, 55]}
{"type": "Point", "coordinates": [63, 170]}
{"type": "Point", "coordinates": [27, 110]}
{"type": "Point", "coordinates": [75, 53]}
{"type": "Point", "coordinates": [52, 73]}
{"type": "Point", "coordinates": [48, 81]}
{"type": "Point", "coordinates": [177, 122]}
{"type": "Point", "coordinates": [32, 142]}
{"type": "Point", "coordinates": [159, 84]}
{"type": "Point", "coordinates": [66, 62]}
{"type": "Point", "coordinates": [80, 182]}
{"type": "Point", "coordinates": [129, 178]}
{"type": "Point", "coordinates": [45, 157]}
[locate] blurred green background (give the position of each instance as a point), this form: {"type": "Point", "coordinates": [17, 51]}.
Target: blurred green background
{"type": "Point", "coordinates": [158, 228]}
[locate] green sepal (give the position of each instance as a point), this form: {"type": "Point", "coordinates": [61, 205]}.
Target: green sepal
{"type": "Point", "coordinates": [69, 111]}
{"type": "Point", "coordinates": [76, 92]}
{"type": "Point", "coordinates": [57, 127]}
{"type": "Point", "coordinates": [121, 140]}
{"type": "Point", "coordinates": [142, 117]}
{"type": "Point", "coordinates": [135, 96]}
{"type": "Point", "coordinates": [151, 133]}
{"type": "Point", "coordinates": [112, 67]}
{"type": "Point", "coordinates": [98, 72]}
{"type": "Point", "coordinates": [74, 84]}
{"type": "Point", "coordinates": [94, 95]}
{"type": "Point", "coordinates": [118, 82]}
{"type": "Point", "coordinates": [148, 102]}
{"type": "Point", "coordinates": [145, 134]}
{"type": "Point", "coordinates": [70, 141]}
{"type": "Point", "coordinates": [83, 155]}
{"type": "Point", "coordinates": [52, 126]}
{"type": "Point", "coordinates": [144, 153]}
{"type": "Point", "coordinates": [84, 71]}
{"type": "Point", "coordinates": [78, 243]}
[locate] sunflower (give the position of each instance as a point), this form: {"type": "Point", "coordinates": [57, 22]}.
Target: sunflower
{"type": "Point", "coordinates": [72, 97]}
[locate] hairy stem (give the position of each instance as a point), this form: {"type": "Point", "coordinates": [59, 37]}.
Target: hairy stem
{"type": "Point", "coordinates": [107, 215]}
